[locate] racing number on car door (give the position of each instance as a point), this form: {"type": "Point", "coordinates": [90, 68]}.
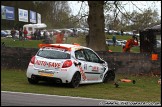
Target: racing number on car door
{"type": "Point", "coordinates": [94, 67]}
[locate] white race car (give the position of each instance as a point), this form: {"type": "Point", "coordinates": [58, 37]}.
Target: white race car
{"type": "Point", "coordinates": [68, 63]}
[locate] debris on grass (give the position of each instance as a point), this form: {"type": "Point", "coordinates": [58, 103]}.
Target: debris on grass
{"type": "Point", "coordinates": [159, 81]}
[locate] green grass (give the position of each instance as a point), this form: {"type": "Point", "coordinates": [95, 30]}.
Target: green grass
{"type": "Point", "coordinates": [119, 37]}
{"type": "Point", "coordinates": [80, 40]}
{"type": "Point", "coordinates": [145, 89]}
{"type": "Point", "coordinates": [34, 43]}
{"type": "Point", "coordinates": [27, 43]}
{"type": "Point", "coordinates": [120, 49]}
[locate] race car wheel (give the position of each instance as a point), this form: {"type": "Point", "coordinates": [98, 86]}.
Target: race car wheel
{"type": "Point", "coordinates": [109, 76]}
{"type": "Point", "coordinates": [32, 80]}
{"type": "Point", "coordinates": [75, 80]}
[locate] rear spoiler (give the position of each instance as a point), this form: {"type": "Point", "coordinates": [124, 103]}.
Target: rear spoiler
{"type": "Point", "coordinates": [53, 45]}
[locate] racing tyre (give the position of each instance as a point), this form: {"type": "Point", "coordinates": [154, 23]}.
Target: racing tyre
{"type": "Point", "coordinates": [109, 76]}
{"type": "Point", "coordinates": [32, 80]}
{"type": "Point", "coordinates": [75, 80]}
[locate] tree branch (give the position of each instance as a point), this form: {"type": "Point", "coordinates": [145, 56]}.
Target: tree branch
{"type": "Point", "coordinates": [127, 16]}
{"type": "Point", "coordinates": [80, 9]}
{"type": "Point", "coordinates": [136, 6]}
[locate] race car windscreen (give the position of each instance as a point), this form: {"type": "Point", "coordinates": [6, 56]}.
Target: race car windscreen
{"type": "Point", "coordinates": [53, 54]}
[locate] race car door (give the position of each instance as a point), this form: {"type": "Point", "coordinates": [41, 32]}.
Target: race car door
{"type": "Point", "coordinates": [80, 56]}
{"type": "Point", "coordinates": [95, 67]}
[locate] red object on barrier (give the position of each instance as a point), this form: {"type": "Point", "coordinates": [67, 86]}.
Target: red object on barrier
{"type": "Point", "coordinates": [154, 56]}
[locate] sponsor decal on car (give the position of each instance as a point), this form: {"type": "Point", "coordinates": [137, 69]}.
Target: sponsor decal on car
{"type": "Point", "coordinates": [49, 64]}
{"type": "Point", "coordinates": [95, 68]}
{"type": "Point", "coordinates": [82, 73]}
{"type": "Point", "coordinates": [63, 69]}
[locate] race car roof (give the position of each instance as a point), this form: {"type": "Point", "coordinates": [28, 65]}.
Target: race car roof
{"type": "Point", "coordinates": [68, 47]}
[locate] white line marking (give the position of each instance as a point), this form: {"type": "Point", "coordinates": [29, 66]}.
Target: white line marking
{"type": "Point", "coordinates": [55, 95]}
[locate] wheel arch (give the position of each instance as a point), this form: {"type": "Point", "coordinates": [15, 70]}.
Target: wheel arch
{"type": "Point", "coordinates": [109, 75]}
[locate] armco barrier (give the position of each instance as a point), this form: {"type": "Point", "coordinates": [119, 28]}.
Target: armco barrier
{"type": "Point", "coordinates": [127, 63]}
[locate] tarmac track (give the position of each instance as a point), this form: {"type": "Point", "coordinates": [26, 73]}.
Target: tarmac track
{"type": "Point", "coordinates": [31, 99]}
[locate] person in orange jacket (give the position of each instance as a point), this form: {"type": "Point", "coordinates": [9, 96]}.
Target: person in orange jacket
{"type": "Point", "coordinates": [60, 36]}
{"type": "Point", "coordinates": [130, 43]}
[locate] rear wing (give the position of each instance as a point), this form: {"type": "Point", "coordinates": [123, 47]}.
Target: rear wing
{"type": "Point", "coordinates": [54, 46]}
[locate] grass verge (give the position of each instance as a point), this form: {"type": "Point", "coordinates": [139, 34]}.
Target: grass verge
{"type": "Point", "coordinates": [80, 40]}
{"type": "Point", "coordinates": [145, 89]}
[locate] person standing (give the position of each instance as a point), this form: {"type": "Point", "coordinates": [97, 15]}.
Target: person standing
{"type": "Point", "coordinates": [59, 37]}
{"type": "Point", "coordinates": [32, 35]}
{"type": "Point", "coordinates": [121, 32]}
{"type": "Point", "coordinates": [13, 32]}
{"type": "Point", "coordinates": [44, 34]}
{"type": "Point", "coordinates": [130, 43]}
{"type": "Point", "coordinates": [47, 39]}
{"type": "Point", "coordinates": [114, 40]}
{"type": "Point", "coordinates": [35, 34]}
{"type": "Point", "coordinates": [39, 34]}
{"type": "Point", "coordinates": [73, 32]}
{"type": "Point", "coordinates": [66, 36]}
{"type": "Point", "coordinates": [25, 34]}
{"type": "Point", "coordinates": [20, 34]}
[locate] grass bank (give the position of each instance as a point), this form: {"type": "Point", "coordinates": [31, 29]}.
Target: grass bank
{"type": "Point", "coordinates": [145, 89]}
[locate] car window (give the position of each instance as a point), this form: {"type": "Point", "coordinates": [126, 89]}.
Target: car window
{"type": "Point", "coordinates": [79, 54]}
{"type": "Point", "coordinates": [91, 56]}
{"type": "Point", "coordinates": [53, 54]}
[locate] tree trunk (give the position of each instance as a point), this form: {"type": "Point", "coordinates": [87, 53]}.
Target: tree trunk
{"type": "Point", "coordinates": [96, 26]}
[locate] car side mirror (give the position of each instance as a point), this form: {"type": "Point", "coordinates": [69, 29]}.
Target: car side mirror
{"type": "Point", "coordinates": [76, 64]}
{"type": "Point", "coordinates": [79, 63]}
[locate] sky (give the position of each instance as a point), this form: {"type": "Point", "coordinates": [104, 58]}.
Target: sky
{"type": "Point", "coordinates": [75, 6]}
